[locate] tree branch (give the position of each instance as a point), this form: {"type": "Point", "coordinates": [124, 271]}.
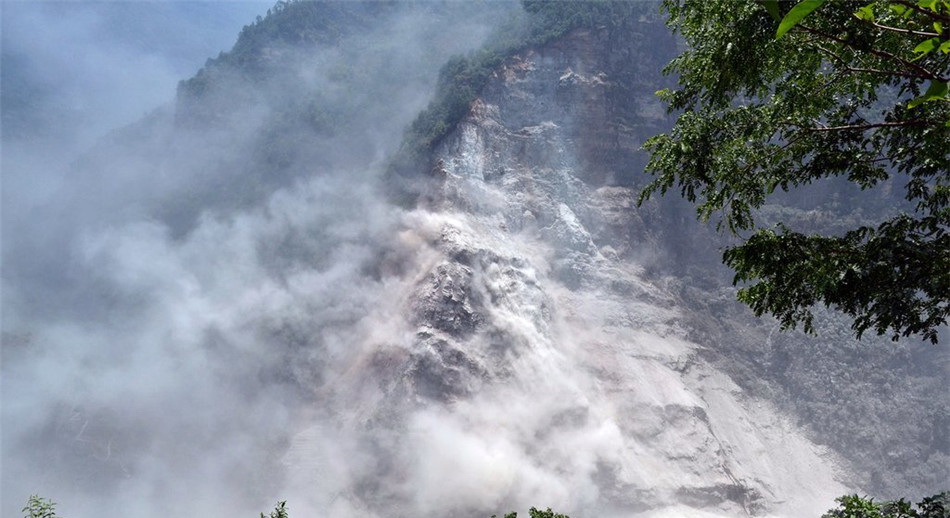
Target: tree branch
{"type": "Point", "coordinates": [886, 72]}
{"type": "Point", "coordinates": [903, 31]}
{"type": "Point", "coordinates": [928, 13]}
{"type": "Point", "coordinates": [863, 127]}
{"type": "Point", "coordinates": [846, 67]}
{"type": "Point", "coordinates": [927, 74]}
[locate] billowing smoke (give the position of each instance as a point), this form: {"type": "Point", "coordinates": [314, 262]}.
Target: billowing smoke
{"type": "Point", "coordinates": [216, 307]}
{"type": "Point", "coordinates": [163, 338]}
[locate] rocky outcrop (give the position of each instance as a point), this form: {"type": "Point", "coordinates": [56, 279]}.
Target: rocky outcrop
{"type": "Point", "coordinates": [539, 284]}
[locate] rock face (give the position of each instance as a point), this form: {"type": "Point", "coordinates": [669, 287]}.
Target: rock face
{"type": "Point", "coordinates": [523, 336]}
{"type": "Point", "coordinates": [547, 366]}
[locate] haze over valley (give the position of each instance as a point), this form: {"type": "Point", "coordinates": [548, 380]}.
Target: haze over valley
{"type": "Point", "coordinates": [385, 259]}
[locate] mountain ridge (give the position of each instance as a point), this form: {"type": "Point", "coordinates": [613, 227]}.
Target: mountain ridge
{"type": "Point", "coordinates": [516, 332]}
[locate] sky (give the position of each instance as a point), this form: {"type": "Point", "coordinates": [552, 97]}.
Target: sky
{"type": "Point", "coordinates": [78, 69]}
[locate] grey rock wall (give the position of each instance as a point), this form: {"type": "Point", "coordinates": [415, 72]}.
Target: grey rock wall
{"type": "Point", "coordinates": [538, 292]}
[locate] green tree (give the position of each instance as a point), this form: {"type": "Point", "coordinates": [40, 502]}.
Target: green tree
{"type": "Point", "coordinates": [280, 511]}
{"type": "Point", "coordinates": [537, 513]}
{"type": "Point", "coordinates": [776, 95]}
{"type": "Point", "coordinates": [38, 507]}
{"type": "Point", "coordinates": [854, 506]}
{"type": "Point", "coordinates": [548, 513]}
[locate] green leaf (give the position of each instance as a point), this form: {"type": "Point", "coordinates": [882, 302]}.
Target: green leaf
{"type": "Point", "coordinates": [937, 90]}
{"type": "Point", "coordinates": [945, 47]}
{"type": "Point", "coordinates": [899, 9]}
{"type": "Point", "coordinates": [927, 46]}
{"type": "Point", "coordinates": [865, 13]}
{"type": "Point", "coordinates": [772, 7]}
{"type": "Point", "coordinates": [938, 27]}
{"type": "Point", "coordinates": [799, 12]}
{"type": "Point", "coordinates": [928, 4]}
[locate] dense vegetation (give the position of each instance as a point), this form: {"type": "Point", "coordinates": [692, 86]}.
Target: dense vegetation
{"type": "Point", "coordinates": [287, 24]}
{"type": "Point", "coordinates": [537, 513]}
{"type": "Point", "coordinates": [854, 506]}
{"type": "Point", "coordinates": [258, 70]}
{"type": "Point", "coordinates": [38, 507]}
{"type": "Point", "coordinates": [774, 96]}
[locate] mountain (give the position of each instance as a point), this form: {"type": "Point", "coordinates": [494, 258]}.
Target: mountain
{"type": "Point", "coordinates": [352, 271]}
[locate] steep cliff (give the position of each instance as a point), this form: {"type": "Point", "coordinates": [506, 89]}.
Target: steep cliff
{"type": "Point", "coordinates": [533, 302]}
{"type": "Point", "coordinates": [546, 295]}
{"type": "Point", "coordinates": [272, 318]}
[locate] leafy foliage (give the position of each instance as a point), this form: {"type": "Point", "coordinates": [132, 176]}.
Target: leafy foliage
{"type": "Point", "coordinates": [854, 506]}
{"type": "Point", "coordinates": [536, 513]}
{"type": "Point", "coordinates": [38, 507]}
{"type": "Point", "coordinates": [840, 93]}
{"type": "Point", "coordinates": [280, 511]}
